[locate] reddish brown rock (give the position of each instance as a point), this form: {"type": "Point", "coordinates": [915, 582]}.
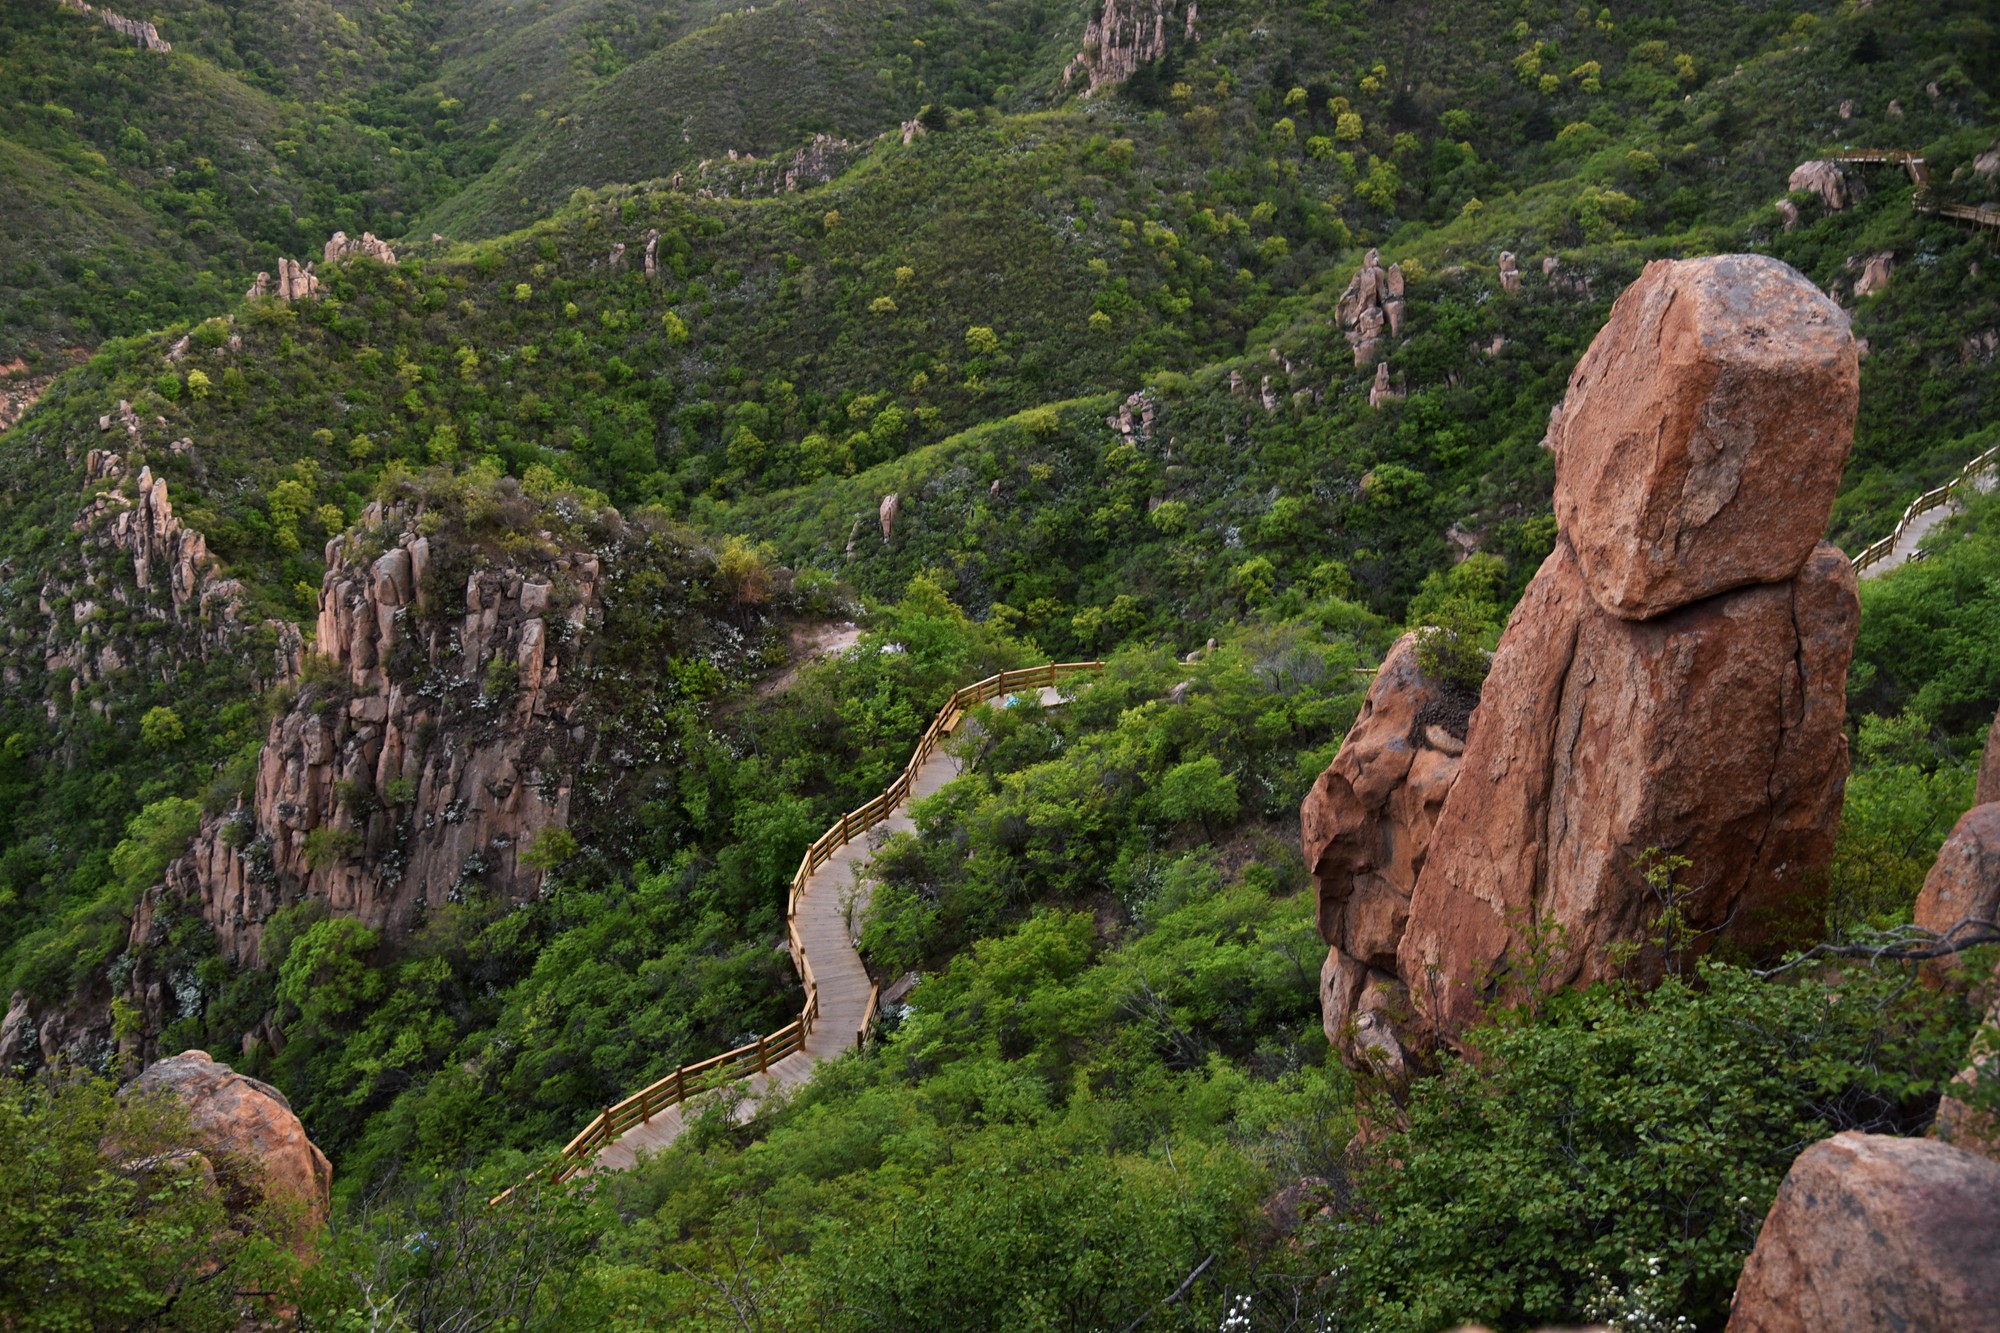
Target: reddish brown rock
{"type": "Point", "coordinates": [1870, 1233]}
{"type": "Point", "coordinates": [1366, 827]}
{"type": "Point", "coordinates": [1704, 433]}
{"type": "Point", "coordinates": [1713, 733]}
{"type": "Point", "coordinates": [247, 1129]}
{"type": "Point", "coordinates": [1962, 890]}
{"type": "Point", "coordinates": [387, 795]}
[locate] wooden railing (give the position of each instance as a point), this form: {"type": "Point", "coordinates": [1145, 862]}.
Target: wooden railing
{"type": "Point", "coordinates": [760, 1055]}
{"type": "Point", "coordinates": [1920, 176]}
{"type": "Point", "coordinates": [1876, 552]}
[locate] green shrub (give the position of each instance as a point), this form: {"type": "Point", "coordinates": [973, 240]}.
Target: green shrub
{"type": "Point", "coordinates": [1621, 1131]}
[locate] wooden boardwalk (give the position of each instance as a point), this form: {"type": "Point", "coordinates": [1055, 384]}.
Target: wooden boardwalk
{"type": "Point", "coordinates": [844, 987]}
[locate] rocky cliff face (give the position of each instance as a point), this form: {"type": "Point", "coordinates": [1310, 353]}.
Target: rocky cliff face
{"type": "Point", "coordinates": [428, 747]}
{"type": "Point", "coordinates": [1125, 35]}
{"type": "Point", "coordinates": [1672, 684]}
{"type": "Point", "coordinates": [135, 562]}
{"type": "Point", "coordinates": [139, 32]}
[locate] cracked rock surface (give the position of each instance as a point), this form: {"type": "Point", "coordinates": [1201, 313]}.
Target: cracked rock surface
{"type": "Point", "coordinates": [1671, 685]}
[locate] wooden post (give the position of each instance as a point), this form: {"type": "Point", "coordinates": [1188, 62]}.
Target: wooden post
{"type": "Point", "coordinates": [761, 1067]}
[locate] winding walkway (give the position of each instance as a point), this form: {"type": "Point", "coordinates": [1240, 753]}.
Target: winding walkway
{"type": "Point", "coordinates": [844, 990]}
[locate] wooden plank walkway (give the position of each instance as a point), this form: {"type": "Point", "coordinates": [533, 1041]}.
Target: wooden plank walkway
{"type": "Point", "coordinates": [1910, 533]}
{"type": "Point", "coordinates": [837, 969]}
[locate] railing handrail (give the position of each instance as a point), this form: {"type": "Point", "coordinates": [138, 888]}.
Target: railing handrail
{"type": "Point", "coordinates": [749, 1059]}
{"type": "Point", "coordinates": [1876, 551]}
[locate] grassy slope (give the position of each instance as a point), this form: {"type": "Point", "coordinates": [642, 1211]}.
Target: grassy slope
{"type": "Point", "coordinates": [761, 82]}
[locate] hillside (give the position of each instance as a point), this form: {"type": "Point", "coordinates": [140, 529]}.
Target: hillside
{"type": "Point", "coordinates": [414, 690]}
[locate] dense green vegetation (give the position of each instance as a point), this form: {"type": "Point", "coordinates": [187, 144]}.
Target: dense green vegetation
{"type": "Point", "coordinates": [1110, 1067]}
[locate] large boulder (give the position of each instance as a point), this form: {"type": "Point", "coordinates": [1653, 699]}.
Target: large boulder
{"type": "Point", "coordinates": [1963, 887]}
{"type": "Point", "coordinates": [248, 1130]}
{"type": "Point", "coordinates": [1366, 827]}
{"type": "Point", "coordinates": [1704, 433]}
{"type": "Point", "coordinates": [1824, 179]}
{"type": "Point", "coordinates": [1874, 1233]}
{"type": "Point", "coordinates": [1711, 734]}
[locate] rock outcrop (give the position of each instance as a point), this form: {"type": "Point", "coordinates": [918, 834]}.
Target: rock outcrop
{"type": "Point", "coordinates": [257, 1146]}
{"type": "Point", "coordinates": [1669, 693]}
{"type": "Point", "coordinates": [1876, 270]}
{"type": "Point", "coordinates": [1367, 827]}
{"type": "Point", "coordinates": [1510, 273]}
{"type": "Point", "coordinates": [1825, 179]}
{"type": "Point", "coordinates": [1871, 1233]}
{"type": "Point", "coordinates": [1703, 434]}
{"type": "Point", "coordinates": [892, 506]}
{"type": "Point", "coordinates": [1371, 307]}
{"type": "Point", "coordinates": [1382, 390]}
{"type": "Point", "coordinates": [295, 282]}
{"type": "Point", "coordinates": [139, 32]}
{"type": "Point", "coordinates": [434, 763]}
{"type": "Point", "coordinates": [340, 246]}
{"type": "Point", "coordinates": [1962, 892]}
{"type": "Point", "coordinates": [1125, 35]}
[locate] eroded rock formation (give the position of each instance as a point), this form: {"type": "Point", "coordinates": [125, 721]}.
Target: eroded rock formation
{"type": "Point", "coordinates": [258, 1148]}
{"type": "Point", "coordinates": [1672, 684]}
{"type": "Point", "coordinates": [1371, 307]}
{"type": "Point", "coordinates": [1126, 35]}
{"type": "Point", "coordinates": [1703, 433]}
{"type": "Point", "coordinates": [141, 33]}
{"type": "Point", "coordinates": [1871, 1234]}
{"type": "Point", "coordinates": [340, 246]}
{"type": "Point", "coordinates": [1367, 828]}
{"type": "Point", "coordinates": [439, 756]}
{"type": "Point", "coordinates": [295, 282]}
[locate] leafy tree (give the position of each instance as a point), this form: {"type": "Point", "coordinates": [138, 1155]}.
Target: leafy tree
{"type": "Point", "coordinates": [161, 728]}
{"type": "Point", "coordinates": [109, 1221]}
{"type": "Point", "coordinates": [1679, 1113]}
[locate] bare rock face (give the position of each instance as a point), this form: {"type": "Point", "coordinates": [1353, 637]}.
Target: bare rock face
{"type": "Point", "coordinates": [441, 757]}
{"type": "Point", "coordinates": [1125, 35]}
{"type": "Point", "coordinates": [1824, 179]}
{"type": "Point", "coordinates": [1371, 307]}
{"type": "Point", "coordinates": [248, 1130]}
{"type": "Point", "coordinates": [341, 246]}
{"type": "Point", "coordinates": [892, 505]}
{"type": "Point", "coordinates": [1367, 828]}
{"type": "Point", "coordinates": [1510, 272]}
{"type": "Point", "coordinates": [1636, 705]}
{"type": "Point", "coordinates": [1875, 1233]}
{"type": "Point", "coordinates": [1704, 432]}
{"type": "Point", "coordinates": [139, 32]}
{"type": "Point", "coordinates": [1713, 733]}
{"type": "Point", "coordinates": [1963, 888]}
{"type": "Point", "coordinates": [1876, 270]}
